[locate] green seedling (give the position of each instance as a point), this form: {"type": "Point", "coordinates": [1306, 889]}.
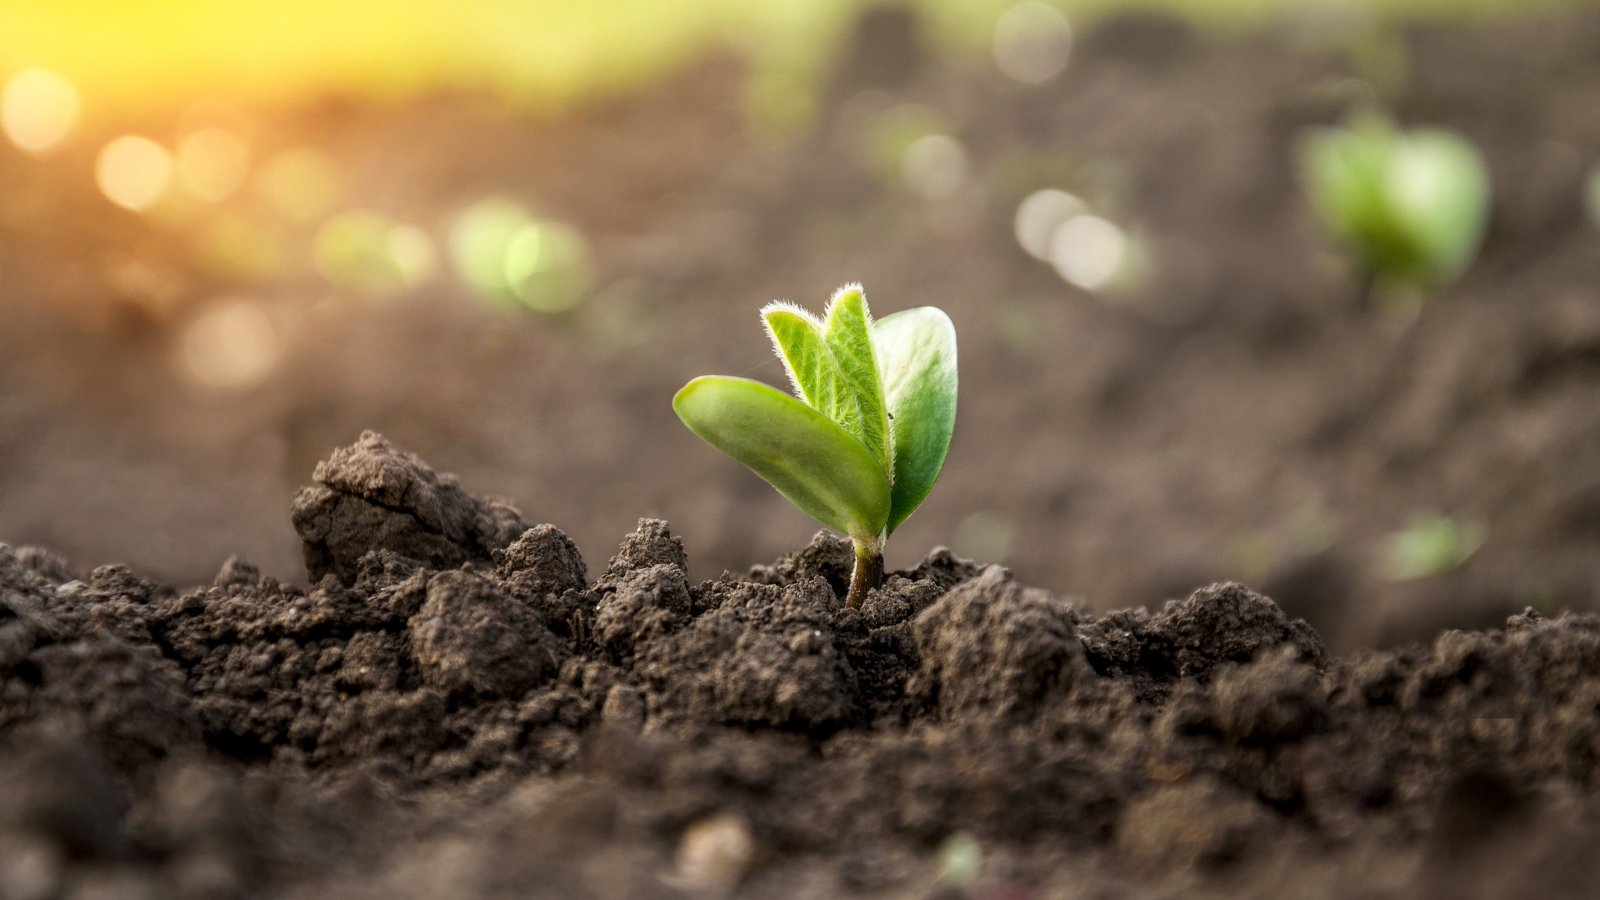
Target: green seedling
{"type": "Point", "coordinates": [1409, 205]}
{"type": "Point", "coordinates": [863, 446]}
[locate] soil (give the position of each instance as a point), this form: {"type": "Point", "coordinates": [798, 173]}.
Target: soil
{"type": "Point", "coordinates": [458, 708]}
{"type": "Point", "coordinates": [439, 700]}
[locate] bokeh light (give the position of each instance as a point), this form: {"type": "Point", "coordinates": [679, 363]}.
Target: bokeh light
{"type": "Point", "coordinates": [371, 253]}
{"type": "Point", "coordinates": [547, 266]}
{"type": "Point", "coordinates": [231, 345]}
{"type": "Point", "coordinates": [1039, 215]}
{"type": "Point", "coordinates": [1032, 41]}
{"type": "Point", "coordinates": [38, 110]}
{"type": "Point", "coordinates": [1089, 251]}
{"type": "Point", "coordinates": [934, 166]}
{"type": "Point", "coordinates": [213, 163]}
{"type": "Point", "coordinates": [478, 240]}
{"type": "Point", "coordinates": [886, 135]}
{"type": "Point", "coordinates": [511, 258]}
{"type": "Point", "coordinates": [134, 172]}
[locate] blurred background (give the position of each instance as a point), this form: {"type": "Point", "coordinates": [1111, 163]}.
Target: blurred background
{"type": "Point", "coordinates": [234, 235]}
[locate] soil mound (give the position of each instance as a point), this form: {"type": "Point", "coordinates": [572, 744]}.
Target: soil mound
{"type": "Point", "coordinates": [453, 709]}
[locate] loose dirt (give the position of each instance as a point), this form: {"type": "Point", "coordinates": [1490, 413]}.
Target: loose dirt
{"type": "Point", "coordinates": [458, 708]}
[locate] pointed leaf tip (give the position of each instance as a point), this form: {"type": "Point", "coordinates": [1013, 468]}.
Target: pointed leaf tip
{"type": "Point", "coordinates": [847, 332]}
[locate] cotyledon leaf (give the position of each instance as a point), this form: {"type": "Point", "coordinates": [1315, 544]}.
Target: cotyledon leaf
{"type": "Point", "coordinates": [815, 464]}
{"type": "Point", "coordinates": [916, 351]}
{"type": "Point", "coordinates": [847, 331]}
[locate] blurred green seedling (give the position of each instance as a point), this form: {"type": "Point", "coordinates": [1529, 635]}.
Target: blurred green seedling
{"type": "Point", "coordinates": [1431, 545]}
{"type": "Point", "coordinates": [1410, 206]}
{"type": "Point", "coordinates": [863, 445]}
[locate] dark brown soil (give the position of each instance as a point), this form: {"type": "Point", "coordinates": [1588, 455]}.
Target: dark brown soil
{"type": "Point", "coordinates": [411, 727]}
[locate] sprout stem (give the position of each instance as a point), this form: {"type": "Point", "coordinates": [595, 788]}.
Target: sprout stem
{"type": "Point", "coordinates": [868, 572]}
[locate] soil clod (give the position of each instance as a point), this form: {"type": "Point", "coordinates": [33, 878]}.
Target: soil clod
{"type": "Point", "coordinates": [370, 496]}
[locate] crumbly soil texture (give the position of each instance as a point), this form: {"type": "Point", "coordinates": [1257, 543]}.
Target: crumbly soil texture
{"type": "Point", "coordinates": [461, 706]}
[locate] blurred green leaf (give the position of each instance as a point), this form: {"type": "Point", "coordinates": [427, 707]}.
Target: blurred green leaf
{"type": "Point", "coordinates": [1440, 189]}
{"type": "Point", "coordinates": [1431, 545]}
{"type": "Point", "coordinates": [1410, 206]}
